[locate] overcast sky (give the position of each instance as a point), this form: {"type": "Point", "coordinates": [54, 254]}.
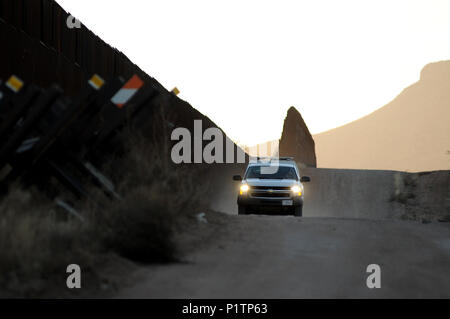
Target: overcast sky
{"type": "Point", "coordinates": [243, 63]}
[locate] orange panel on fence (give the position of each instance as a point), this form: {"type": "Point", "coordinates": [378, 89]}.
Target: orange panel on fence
{"type": "Point", "coordinates": [127, 91]}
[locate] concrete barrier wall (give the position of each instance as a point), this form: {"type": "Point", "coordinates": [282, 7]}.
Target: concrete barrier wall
{"type": "Point", "coordinates": [352, 193]}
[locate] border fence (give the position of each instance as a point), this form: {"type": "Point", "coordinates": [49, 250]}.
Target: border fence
{"type": "Point", "coordinates": [38, 47]}
{"type": "Point", "coordinates": [57, 121]}
{"type": "Point", "coordinates": [44, 134]}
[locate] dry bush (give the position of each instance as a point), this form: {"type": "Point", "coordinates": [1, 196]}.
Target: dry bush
{"type": "Point", "coordinates": [140, 227]}
{"type": "Point", "coordinates": [36, 246]}
{"type": "Point", "coordinates": [157, 199]}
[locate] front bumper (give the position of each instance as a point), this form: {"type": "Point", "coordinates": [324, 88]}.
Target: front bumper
{"type": "Point", "coordinates": [247, 200]}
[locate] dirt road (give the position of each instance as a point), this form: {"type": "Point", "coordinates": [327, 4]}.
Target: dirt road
{"type": "Point", "coordinates": [287, 257]}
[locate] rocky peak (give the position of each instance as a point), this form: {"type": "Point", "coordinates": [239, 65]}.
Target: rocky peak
{"type": "Point", "coordinates": [436, 71]}
{"type": "Point", "coordinates": [296, 140]}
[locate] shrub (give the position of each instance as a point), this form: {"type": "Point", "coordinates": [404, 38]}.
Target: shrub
{"type": "Point", "coordinates": [36, 244]}
{"type": "Point", "coordinates": [156, 197]}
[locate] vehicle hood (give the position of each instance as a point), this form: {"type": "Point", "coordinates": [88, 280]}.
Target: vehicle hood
{"type": "Point", "coordinates": [271, 182]}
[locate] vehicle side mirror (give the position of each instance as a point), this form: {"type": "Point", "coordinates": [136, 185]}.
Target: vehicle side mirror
{"type": "Point", "coordinates": [237, 178]}
{"type": "Point", "coordinates": [305, 179]}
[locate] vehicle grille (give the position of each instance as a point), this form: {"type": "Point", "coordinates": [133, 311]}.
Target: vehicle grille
{"type": "Point", "coordinates": [270, 195]}
{"type": "Point", "coordinates": [271, 187]}
{"type": "Point", "coordinates": [270, 191]}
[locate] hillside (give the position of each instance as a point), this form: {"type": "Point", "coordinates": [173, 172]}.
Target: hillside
{"type": "Point", "coordinates": [411, 133]}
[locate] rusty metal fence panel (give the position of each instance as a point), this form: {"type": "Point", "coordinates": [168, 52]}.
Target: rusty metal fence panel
{"type": "Point", "coordinates": [45, 134]}
{"type": "Point", "coordinates": [57, 125]}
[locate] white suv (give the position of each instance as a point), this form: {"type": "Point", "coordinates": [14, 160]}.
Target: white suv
{"type": "Point", "coordinates": [271, 183]}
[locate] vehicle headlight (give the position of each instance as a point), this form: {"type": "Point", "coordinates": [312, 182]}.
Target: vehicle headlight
{"type": "Point", "coordinates": [296, 190]}
{"type": "Point", "coordinates": [244, 189]}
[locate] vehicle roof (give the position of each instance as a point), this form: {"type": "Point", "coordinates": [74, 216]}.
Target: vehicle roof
{"type": "Point", "coordinates": [273, 163]}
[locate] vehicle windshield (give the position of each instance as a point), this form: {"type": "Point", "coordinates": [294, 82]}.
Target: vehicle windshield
{"type": "Point", "coordinates": [270, 172]}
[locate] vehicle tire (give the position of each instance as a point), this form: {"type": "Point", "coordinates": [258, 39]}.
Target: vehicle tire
{"type": "Point", "coordinates": [298, 211]}
{"type": "Point", "coordinates": [242, 210]}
